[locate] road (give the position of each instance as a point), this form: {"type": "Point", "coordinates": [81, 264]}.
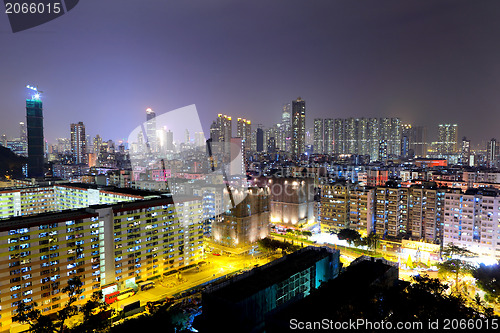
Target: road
{"type": "Point", "coordinates": [216, 267]}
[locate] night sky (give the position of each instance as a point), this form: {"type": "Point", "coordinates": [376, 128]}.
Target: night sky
{"type": "Point", "coordinates": [105, 62]}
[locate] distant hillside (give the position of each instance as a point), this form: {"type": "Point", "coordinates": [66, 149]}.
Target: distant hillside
{"type": "Point", "coordinates": [10, 163]}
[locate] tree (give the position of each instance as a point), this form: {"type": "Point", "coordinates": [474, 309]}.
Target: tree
{"type": "Point", "coordinates": [455, 265]}
{"type": "Point", "coordinates": [307, 233]}
{"type": "Point", "coordinates": [488, 279]}
{"type": "Point", "coordinates": [371, 241]}
{"type": "Point", "coordinates": [351, 236]}
{"type": "Point", "coordinates": [73, 290]}
{"type": "Point", "coordinates": [95, 314]}
{"type": "Point", "coordinates": [28, 314]}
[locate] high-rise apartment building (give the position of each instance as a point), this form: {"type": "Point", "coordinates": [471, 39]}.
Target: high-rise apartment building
{"type": "Point", "coordinates": [78, 143]}
{"type": "Point", "coordinates": [111, 238]}
{"type": "Point", "coordinates": [339, 136]}
{"type": "Point", "coordinates": [363, 136]}
{"type": "Point", "coordinates": [447, 139]}
{"type": "Point", "coordinates": [406, 141]}
{"type": "Point", "coordinates": [328, 136]}
{"type": "Point", "coordinates": [244, 131]}
{"type": "Point", "coordinates": [465, 159]}
{"type": "Point", "coordinates": [345, 207]}
{"type": "Point", "coordinates": [418, 141]}
{"type": "Point", "coordinates": [373, 138]}
{"type": "Point", "coordinates": [351, 135]}
{"type": "Point", "coordinates": [259, 140]}
{"type": "Point", "coordinates": [221, 132]}
{"type": "Point", "coordinates": [199, 139]}
{"type": "Point", "coordinates": [471, 221]}
{"type": "Point", "coordinates": [298, 127]}
{"type": "Point", "coordinates": [391, 211]}
{"type": "Point", "coordinates": [34, 127]}
{"type": "Point", "coordinates": [318, 143]}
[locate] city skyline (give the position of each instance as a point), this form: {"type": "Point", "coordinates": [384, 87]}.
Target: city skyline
{"type": "Point", "coordinates": [424, 63]}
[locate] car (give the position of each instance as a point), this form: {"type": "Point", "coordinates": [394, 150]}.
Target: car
{"type": "Point", "coordinates": [216, 254]}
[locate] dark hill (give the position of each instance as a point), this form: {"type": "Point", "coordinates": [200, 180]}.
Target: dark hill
{"type": "Point", "coordinates": [11, 164]}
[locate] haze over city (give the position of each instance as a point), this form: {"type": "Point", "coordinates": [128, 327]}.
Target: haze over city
{"type": "Point", "coordinates": [105, 63]}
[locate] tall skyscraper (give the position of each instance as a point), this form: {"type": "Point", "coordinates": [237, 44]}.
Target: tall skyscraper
{"type": "Point", "coordinates": [328, 136]}
{"type": "Point", "coordinates": [447, 139]}
{"type": "Point", "coordinates": [492, 154]}
{"type": "Point", "coordinates": [351, 135]}
{"type": "Point", "coordinates": [221, 131]}
{"type": "Point", "coordinates": [418, 141]}
{"type": "Point", "coordinates": [244, 131]}
{"type": "Point", "coordinates": [23, 139]}
{"type": "Point", "coordinates": [339, 136]}
{"type": "Point", "coordinates": [34, 126]}
{"type": "Point", "coordinates": [169, 141]}
{"type": "Point", "coordinates": [286, 125]}
{"type": "Point", "coordinates": [199, 139]}
{"type": "Point", "coordinates": [259, 138]}
{"type": "Point", "coordinates": [78, 143]}
{"type": "Point", "coordinates": [318, 136]}
{"type": "Point", "coordinates": [406, 140]}
{"type": "Point", "coordinates": [151, 130]}
{"type": "Point", "coordinates": [363, 137]}
{"type": "Point", "coordinates": [465, 160]}
{"type": "Point", "coordinates": [395, 137]}
{"type": "Point", "coordinates": [373, 138]}
{"type": "Point", "coordinates": [298, 127]}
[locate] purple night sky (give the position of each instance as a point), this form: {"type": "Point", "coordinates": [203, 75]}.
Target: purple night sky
{"type": "Point", "coordinates": [105, 62]}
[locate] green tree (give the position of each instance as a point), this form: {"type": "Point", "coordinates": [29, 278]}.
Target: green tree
{"type": "Point", "coordinates": [371, 241]}
{"type": "Point", "coordinates": [350, 235]}
{"type": "Point", "coordinates": [73, 290]}
{"type": "Point", "coordinates": [307, 233]}
{"type": "Point", "coordinates": [29, 314]}
{"type": "Point", "coordinates": [95, 315]}
{"type": "Point", "coordinates": [455, 265]}
{"type": "Point", "coordinates": [488, 279]}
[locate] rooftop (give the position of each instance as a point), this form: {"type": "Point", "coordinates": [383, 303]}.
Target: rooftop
{"type": "Point", "coordinates": [274, 272]}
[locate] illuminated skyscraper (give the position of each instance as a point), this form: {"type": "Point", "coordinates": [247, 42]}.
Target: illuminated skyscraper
{"type": "Point", "coordinates": [298, 127]}
{"type": "Point", "coordinates": [373, 138]}
{"type": "Point", "coordinates": [78, 143]}
{"type": "Point", "coordinates": [447, 139]}
{"type": "Point", "coordinates": [492, 154]}
{"type": "Point", "coordinates": [351, 135]}
{"type": "Point", "coordinates": [151, 129]}
{"type": "Point", "coordinates": [339, 136]}
{"type": "Point", "coordinates": [328, 136]}
{"type": "Point", "coordinates": [318, 136]}
{"type": "Point", "coordinates": [363, 148]}
{"type": "Point", "coordinates": [465, 152]}
{"type": "Point", "coordinates": [34, 125]}
{"type": "Point", "coordinates": [244, 131]}
{"type": "Point", "coordinates": [286, 125]}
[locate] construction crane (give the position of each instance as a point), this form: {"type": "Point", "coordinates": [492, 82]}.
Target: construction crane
{"type": "Point", "coordinates": [37, 92]}
{"type": "Point", "coordinates": [165, 175]}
